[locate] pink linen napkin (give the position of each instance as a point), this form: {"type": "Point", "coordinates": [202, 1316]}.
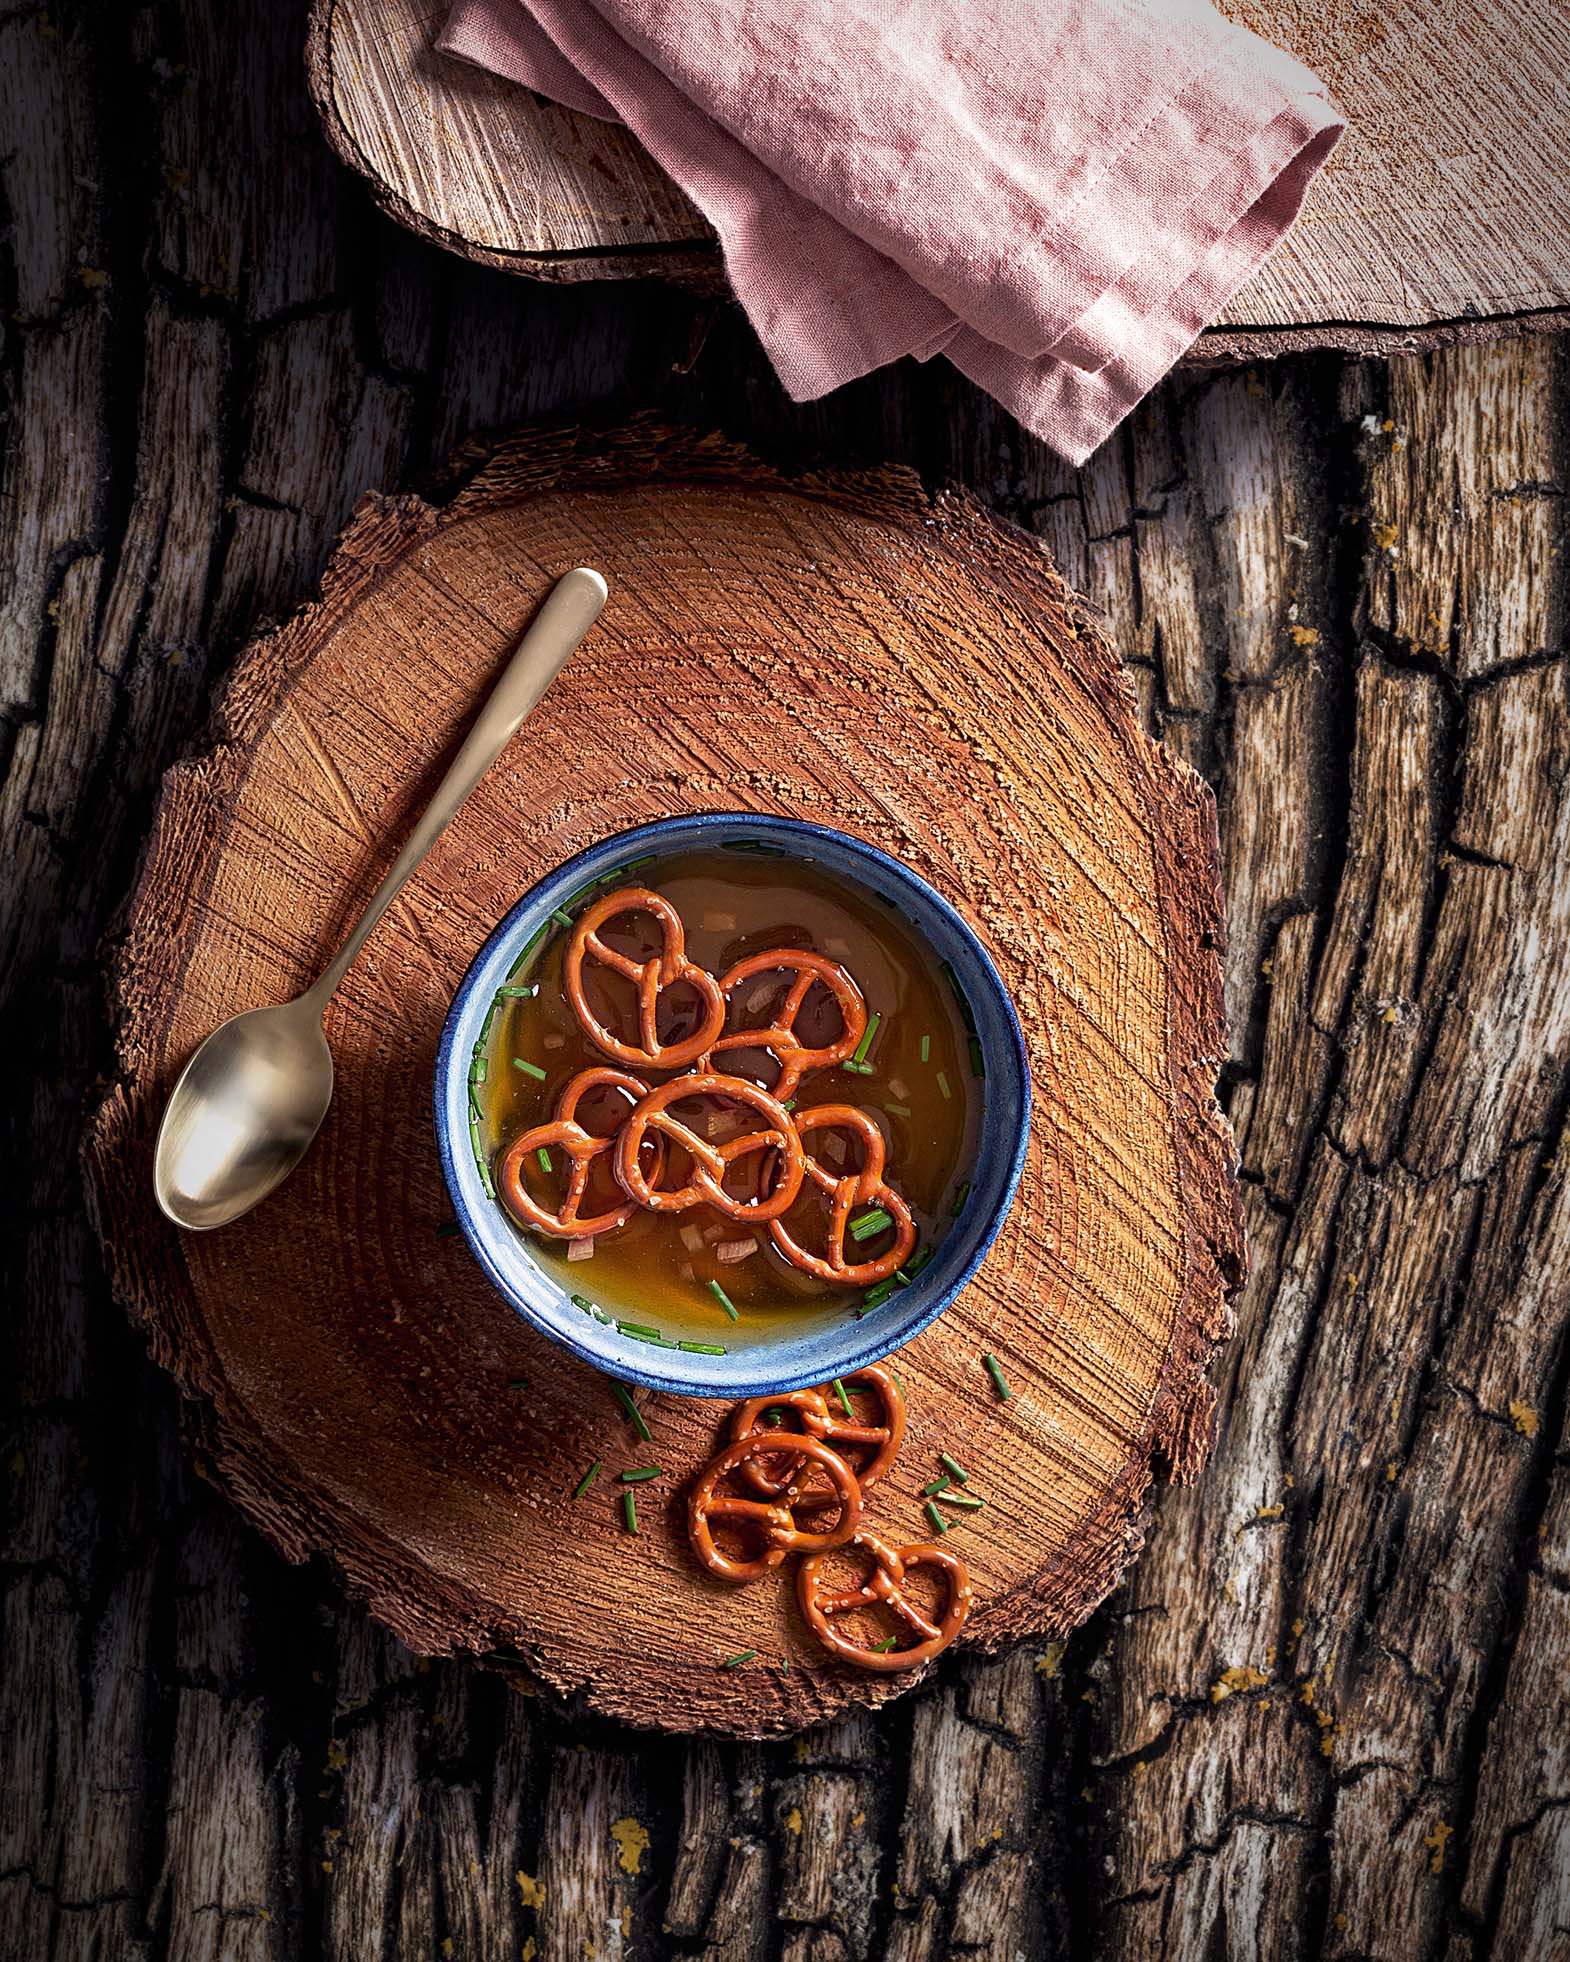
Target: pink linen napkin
{"type": "Point", "coordinates": [1056, 194]}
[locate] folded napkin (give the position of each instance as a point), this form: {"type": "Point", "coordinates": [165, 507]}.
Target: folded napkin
{"type": "Point", "coordinates": [1056, 194]}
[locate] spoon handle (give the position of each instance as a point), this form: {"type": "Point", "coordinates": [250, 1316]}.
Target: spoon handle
{"type": "Point", "coordinates": [571, 608]}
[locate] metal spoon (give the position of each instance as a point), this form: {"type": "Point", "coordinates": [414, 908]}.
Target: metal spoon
{"type": "Point", "coordinates": [254, 1095]}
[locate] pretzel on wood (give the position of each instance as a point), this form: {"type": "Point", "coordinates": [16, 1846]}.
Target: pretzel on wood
{"type": "Point", "coordinates": [774, 1523]}
{"type": "Point", "coordinates": [779, 1036]}
{"type": "Point", "coordinates": [822, 1416]}
{"type": "Point", "coordinates": [710, 1162]}
{"type": "Point", "coordinates": [581, 1148]}
{"type": "Point", "coordinates": [885, 1587]}
{"type": "Point", "coordinates": [650, 977]}
{"type": "Point", "coordinates": [847, 1192]}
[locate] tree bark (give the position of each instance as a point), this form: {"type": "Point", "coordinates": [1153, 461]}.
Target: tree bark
{"type": "Point", "coordinates": [1328, 1713]}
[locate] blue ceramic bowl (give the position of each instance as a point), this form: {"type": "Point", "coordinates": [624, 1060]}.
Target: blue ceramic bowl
{"type": "Point", "coordinates": [830, 1348]}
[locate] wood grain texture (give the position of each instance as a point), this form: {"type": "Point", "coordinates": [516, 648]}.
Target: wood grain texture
{"type": "Point", "coordinates": [358, 1366]}
{"type": "Point", "coordinates": [1438, 218]}
{"type": "Point", "coordinates": [203, 1751]}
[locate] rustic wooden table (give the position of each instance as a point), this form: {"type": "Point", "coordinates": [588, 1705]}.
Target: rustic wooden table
{"type": "Point", "coordinates": [1329, 1713]}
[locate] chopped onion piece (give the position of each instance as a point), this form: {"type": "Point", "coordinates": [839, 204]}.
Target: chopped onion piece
{"type": "Point", "coordinates": [899, 1090]}
{"type": "Point", "coordinates": [692, 1237]}
{"type": "Point", "coordinates": [730, 1251]}
{"type": "Point", "coordinates": [581, 1249]}
{"type": "Point", "coordinates": [720, 922]}
{"type": "Point", "coordinates": [837, 947]}
{"type": "Point", "coordinates": [553, 1042]}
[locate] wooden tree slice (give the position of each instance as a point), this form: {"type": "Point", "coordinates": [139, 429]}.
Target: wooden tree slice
{"type": "Point", "coordinates": [1439, 218]}
{"type": "Point", "coordinates": [842, 649]}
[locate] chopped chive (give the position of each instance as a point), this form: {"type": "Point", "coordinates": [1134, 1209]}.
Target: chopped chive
{"type": "Point", "coordinates": [999, 1380]}
{"type": "Point", "coordinates": [943, 1085]}
{"type": "Point", "coordinates": [629, 1510]}
{"type": "Point", "coordinates": [789, 1104]}
{"type": "Point", "coordinates": [784, 1665]}
{"type": "Point", "coordinates": [897, 1383]}
{"type": "Point", "coordinates": [845, 1402]}
{"type": "Point", "coordinates": [479, 1158]}
{"type": "Point", "coordinates": [631, 866]}
{"type": "Point", "coordinates": [479, 1069]}
{"type": "Point", "coordinates": [724, 1300]}
{"type": "Point", "coordinates": [858, 1069]}
{"type": "Point", "coordinates": [875, 1297]}
{"type": "Point", "coordinates": [960, 1197]}
{"type": "Point", "coordinates": [735, 1661]}
{"type": "Point", "coordinates": [978, 1062]}
{"type": "Point", "coordinates": [897, 1110]}
{"type": "Point", "coordinates": [702, 1348]}
{"type": "Point", "coordinates": [939, 1523]}
{"type": "Point", "coordinates": [544, 1157]}
{"type": "Point", "coordinates": [633, 1412]}
{"type": "Point", "coordinates": [561, 917]}
{"type": "Point", "coordinates": [510, 993]}
{"type": "Point", "coordinates": [961, 1477]}
{"type": "Point", "coordinates": [641, 1474]}
{"type": "Point", "coordinates": [485, 1028]}
{"type": "Point", "coordinates": [582, 1301]}
{"type": "Point", "coordinates": [926, 1049]}
{"type": "Point", "coordinates": [883, 1647]}
{"type": "Point", "coordinates": [587, 1479]}
{"type": "Point", "coordinates": [914, 1267]}
{"type": "Point", "coordinates": [776, 1417]}
{"type": "Point", "coordinates": [640, 1331]}
{"type": "Point", "coordinates": [870, 1223]}
{"type": "Point", "coordinates": [874, 1022]}
{"type": "Point", "coordinates": [937, 1485]}
{"type": "Point", "coordinates": [529, 1069]}
{"type": "Point", "coordinates": [751, 845]}
{"type": "Point", "coordinates": [529, 947]}
{"type": "Point", "coordinates": [447, 1229]}
{"type": "Point", "coordinates": [966, 1499]}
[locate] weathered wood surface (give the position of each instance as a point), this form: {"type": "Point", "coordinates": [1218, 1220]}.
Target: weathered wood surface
{"type": "Point", "coordinates": [1438, 219]}
{"type": "Point", "coordinates": [373, 1400]}
{"type": "Point", "coordinates": [1337, 1727]}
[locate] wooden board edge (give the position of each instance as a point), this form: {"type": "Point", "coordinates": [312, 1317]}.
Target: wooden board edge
{"type": "Point", "coordinates": [141, 1250]}
{"type": "Point", "coordinates": [1229, 346]}
{"type": "Point", "coordinates": [682, 263]}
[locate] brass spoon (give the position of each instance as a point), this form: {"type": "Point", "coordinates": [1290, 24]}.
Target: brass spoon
{"type": "Point", "coordinates": [251, 1099]}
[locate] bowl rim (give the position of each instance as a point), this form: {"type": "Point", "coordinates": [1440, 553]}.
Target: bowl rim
{"type": "Point", "coordinates": [671, 834]}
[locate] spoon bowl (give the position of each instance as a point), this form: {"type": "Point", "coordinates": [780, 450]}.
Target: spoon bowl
{"type": "Point", "coordinates": [245, 1109]}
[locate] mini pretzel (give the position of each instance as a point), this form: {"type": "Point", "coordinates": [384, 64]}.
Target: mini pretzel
{"type": "Point", "coordinates": [710, 1162]}
{"type": "Point", "coordinates": [650, 977]}
{"type": "Point", "coordinates": [822, 1417]}
{"type": "Point", "coordinates": [884, 1586]}
{"type": "Point", "coordinates": [775, 1523]}
{"type": "Point", "coordinates": [779, 1036]}
{"type": "Point", "coordinates": [581, 1148]}
{"type": "Point", "coordinates": [854, 1189]}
